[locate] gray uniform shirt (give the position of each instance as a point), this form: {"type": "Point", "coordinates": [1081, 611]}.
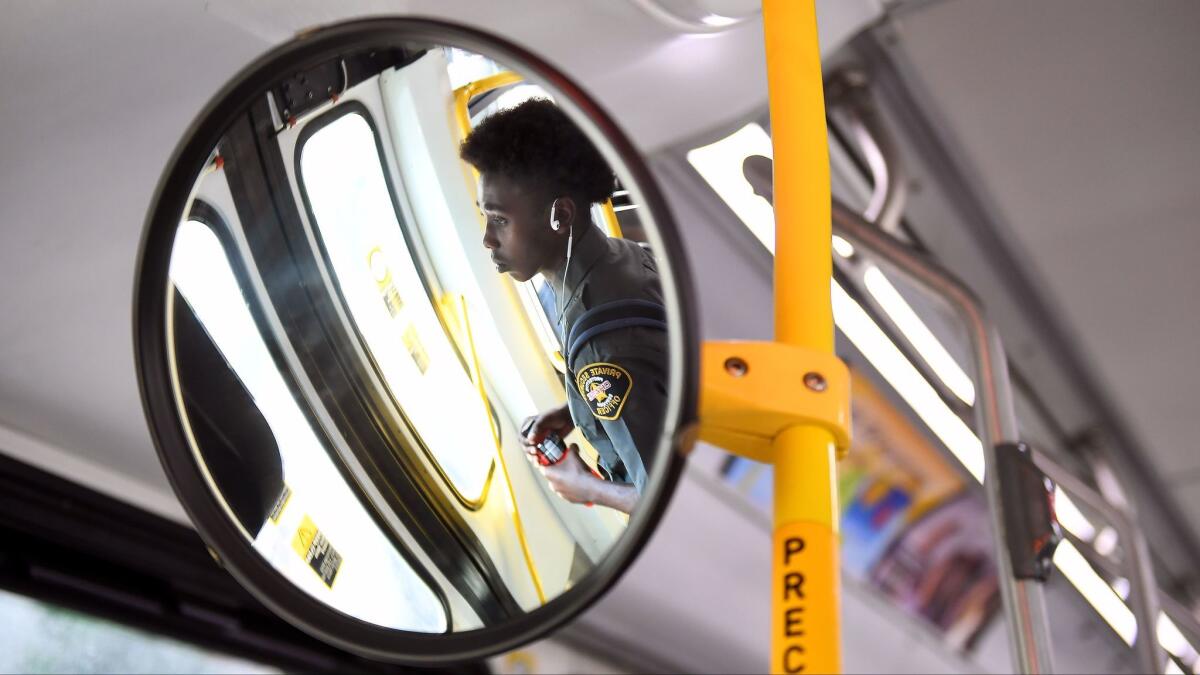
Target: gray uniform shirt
{"type": "Point", "coordinates": [616, 380]}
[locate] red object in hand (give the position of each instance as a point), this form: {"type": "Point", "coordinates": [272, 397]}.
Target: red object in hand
{"type": "Point", "coordinates": [550, 450]}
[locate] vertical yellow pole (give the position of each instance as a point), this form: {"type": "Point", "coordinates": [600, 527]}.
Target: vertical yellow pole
{"type": "Point", "coordinates": [806, 613]}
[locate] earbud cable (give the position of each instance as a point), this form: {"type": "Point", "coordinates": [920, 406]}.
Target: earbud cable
{"type": "Point", "coordinates": [562, 306]}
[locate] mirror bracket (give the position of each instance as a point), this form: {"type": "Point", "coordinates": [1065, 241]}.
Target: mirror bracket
{"type": "Point", "coordinates": [753, 391]}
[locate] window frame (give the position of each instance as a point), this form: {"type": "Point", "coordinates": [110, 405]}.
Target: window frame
{"type": "Point", "coordinates": [353, 107]}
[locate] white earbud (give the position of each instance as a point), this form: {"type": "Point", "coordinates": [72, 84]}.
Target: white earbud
{"type": "Point", "coordinates": [554, 224]}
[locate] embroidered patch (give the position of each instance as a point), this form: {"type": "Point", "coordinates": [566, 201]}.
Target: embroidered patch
{"type": "Point", "coordinates": [604, 387]}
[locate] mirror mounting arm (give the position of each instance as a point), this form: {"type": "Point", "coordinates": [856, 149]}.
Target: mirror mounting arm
{"type": "Point", "coordinates": [751, 392]}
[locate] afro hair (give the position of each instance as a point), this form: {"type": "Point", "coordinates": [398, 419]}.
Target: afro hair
{"type": "Point", "coordinates": [535, 142]}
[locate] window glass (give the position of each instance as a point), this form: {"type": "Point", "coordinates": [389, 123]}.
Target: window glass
{"type": "Point", "coordinates": [465, 67]}
{"type": "Point", "coordinates": [43, 638]}
{"type": "Point", "coordinates": [371, 581]}
{"type": "Point", "coordinates": [342, 175]}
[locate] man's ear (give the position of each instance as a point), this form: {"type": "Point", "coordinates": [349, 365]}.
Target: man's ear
{"type": "Point", "coordinates": [564, 210]}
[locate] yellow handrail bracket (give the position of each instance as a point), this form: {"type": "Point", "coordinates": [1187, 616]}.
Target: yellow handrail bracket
{"type": "Point", "coordinates": [754, 391]}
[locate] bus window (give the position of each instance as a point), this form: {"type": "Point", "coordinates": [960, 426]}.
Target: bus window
{"type": "Point", "coordinates": [360, 572]}
{"type": "Point", "coordinates": [342, 177]}
{"type": "Point", "coordinates": [41, 637]}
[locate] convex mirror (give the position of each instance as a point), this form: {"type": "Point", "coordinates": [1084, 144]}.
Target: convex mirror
{"type": "Point", "coordinates": [415, 339]}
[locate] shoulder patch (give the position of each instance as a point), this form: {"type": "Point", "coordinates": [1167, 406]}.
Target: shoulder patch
{"type": "Point", "coordinates": [605, 388]}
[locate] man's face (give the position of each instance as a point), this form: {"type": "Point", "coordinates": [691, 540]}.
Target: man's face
{"type": "Point", "coordinates": [518, 230]}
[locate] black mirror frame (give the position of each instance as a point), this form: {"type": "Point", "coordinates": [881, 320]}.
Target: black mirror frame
{"type": "Point", "coordinates": [151, 354]}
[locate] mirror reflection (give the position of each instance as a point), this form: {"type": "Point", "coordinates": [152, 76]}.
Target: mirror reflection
{"type": "Point", "coordinates": [419, 338]}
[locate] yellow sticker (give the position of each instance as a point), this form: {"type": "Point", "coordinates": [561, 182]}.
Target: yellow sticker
{"type": "Point", "coordinates": [805, 611]}
{"type": "Point", "coordinates": [605, 388]}
{"type": "Point", "coordinates": [383, 279]}
{"type": "Point", "coordinates": [281, 503]}
{"type": "Point", "coordinates": [312, 545]}
{"type": "Point", "coordinates": [412, 341]}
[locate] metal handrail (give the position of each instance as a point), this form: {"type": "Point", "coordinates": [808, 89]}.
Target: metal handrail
{"type": "Point", "coordinates": [875, 231]}
{"type": "Point", "coordinates": [1145, 588]}
{"type": "Point", "coordinates": [1023, 599]}
{"type": "Point", "coordinates": [849, 94]}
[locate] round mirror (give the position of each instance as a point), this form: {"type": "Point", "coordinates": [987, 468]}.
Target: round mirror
{"type": "Point", "coordinates": [415, 339]}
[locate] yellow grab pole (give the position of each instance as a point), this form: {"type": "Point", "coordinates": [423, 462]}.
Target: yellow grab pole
{"type": "Point", "coordinates": [806, 635]}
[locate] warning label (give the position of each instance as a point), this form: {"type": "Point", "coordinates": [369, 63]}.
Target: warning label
{"type": "Point", "coordinates": [312, 545]}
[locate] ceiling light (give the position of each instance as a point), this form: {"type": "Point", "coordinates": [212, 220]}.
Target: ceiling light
{"type": "Point", "coordinates": [919, 335]}
{"type": "Point", "coordinates": [1095, 590]}
{"type": "Point", "coordinates": [718, 21]}
{"type": "Point", "coordinates": [1071, 518]}
{"type": "Point", "coordinates": [842, 247]}
{"type": "Point", "coordinates": [700, 16]}
{"type": "Point", "coordinates": [720, 164]}
{"type": "Point", "coordinates": [1106, 541]}
{"type": "Point", "coordinates": [1172, 640]}
{"type": "Point", "coordinates": [883, 354]}
{"type": "Point", "coordinates": [1121, 587]}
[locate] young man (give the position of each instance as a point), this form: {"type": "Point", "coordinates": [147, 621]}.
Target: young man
{"type": "Point", "coordinates": [538, 178]}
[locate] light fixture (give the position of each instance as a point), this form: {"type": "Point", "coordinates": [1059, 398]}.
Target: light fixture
{"type": "Point", "coordinates": [700, 16]}
{"type": "Point", "coordinates": [1106, 541]}
{"type": "Point", "coordinates": [842, 247]}
{"type": "Point", "coordinates": [720, 164]}
{"type": "Point", "coordinates": [1071, 518]}
{"type": "Point", "coordinates": [718, 21]}
{"type": "Point", "coordinates": [1095, 590]}
{"type": "Point", "coordinates": [919, 335]}
{"type": "Point", "coordinates": [1172, 640]}
{"type": "Point", "coordinates": [899, 372]}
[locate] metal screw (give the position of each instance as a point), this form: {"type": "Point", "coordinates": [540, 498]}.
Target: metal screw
{"type": "Point", "coordinates": [736, 366]}
{"type": "Point", "coordinates": [815, 381]}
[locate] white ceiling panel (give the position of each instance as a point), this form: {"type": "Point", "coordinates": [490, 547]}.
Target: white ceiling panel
{"type": "Point", "coordinates": [1080, 118]}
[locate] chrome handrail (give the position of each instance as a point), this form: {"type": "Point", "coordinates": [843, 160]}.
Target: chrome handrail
{"type": "Point", "coordinates": [1145, 589]}
{"type": "Point", "coordinates": [1023, 599]}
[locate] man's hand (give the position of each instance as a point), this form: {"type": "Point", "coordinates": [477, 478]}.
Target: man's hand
{"type": "Point", "coordinates": [557, 420]}
{"type": "Point", "coordinates": [572, 480]}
